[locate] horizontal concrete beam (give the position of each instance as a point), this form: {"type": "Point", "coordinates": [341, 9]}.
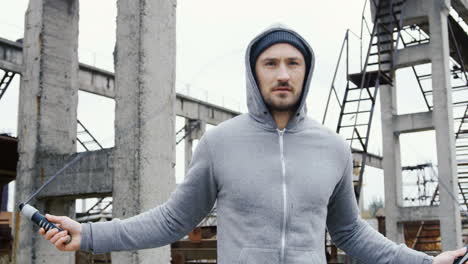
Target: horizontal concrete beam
{"type": "Point", "coordinates": [372, 160]}
{"type": "Point", "coordinates": [101, 82]}
{"type": "Point", "coordinates": [416, 12]}
{"type": "Point", "coordinates": [96, 81]}
{"type": "Point", "coordinates": [418, 213]}
{"type": "Point", "coordinates": [91, 176]}
{"type": "Point", "coordinates": [460, 36]}
{"type": "Point", "coordinates": [11, 58]}
{"type": "Point", "coordinates": [413, 55]}
{"type": "Point", "coordinates": [410, 123]}
{"type": "Point", "coordinates": [192, 108]}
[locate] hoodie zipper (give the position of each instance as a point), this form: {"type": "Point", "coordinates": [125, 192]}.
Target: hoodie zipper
{"type": "Point", "coordinates": [285, 192]}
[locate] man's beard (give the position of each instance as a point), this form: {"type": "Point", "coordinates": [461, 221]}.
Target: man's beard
{"type": "Point", "coordinates": [291, 107]}
{"type": "Point", "coordinates": [282, 108]}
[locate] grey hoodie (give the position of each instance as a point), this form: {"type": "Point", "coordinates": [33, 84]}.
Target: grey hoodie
{"type": "Point", "coordinates": [277, 193]}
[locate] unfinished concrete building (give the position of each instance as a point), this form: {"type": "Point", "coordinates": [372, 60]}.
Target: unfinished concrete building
{"type": "Point", "coordinates": [432, 17]}
{"type": "Point", "coordinates": [408, 34]}
{"type": "Point", "coordinates": [138, 172]}
{"type": "Point", "coordinates": [146, 105]}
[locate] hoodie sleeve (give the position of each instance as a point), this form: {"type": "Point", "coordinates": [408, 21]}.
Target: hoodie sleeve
{"type": "Point", "coordinates": [186, 207]}
{"type": "Point", "coordinates": [357, 238]}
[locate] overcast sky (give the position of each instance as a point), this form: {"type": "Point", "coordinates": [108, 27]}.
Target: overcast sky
{"type": "Point", "coordinates": [211, 39]}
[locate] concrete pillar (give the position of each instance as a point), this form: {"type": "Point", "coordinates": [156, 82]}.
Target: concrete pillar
{"type": "Point", "coordinates": [47, 115]}
{"type": "Point", "coordinates": [450, 222]}
{"type": "Point", "coordinates": [390, 141]}
{"type": "Point", "coordinates": [391, 164]}
{"type": "Point", "coordinates": [145, 114]}
{"type": "Point", "coordinates": [196, 129]}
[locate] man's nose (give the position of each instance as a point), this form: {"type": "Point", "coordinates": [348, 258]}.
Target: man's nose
{"type": "Point", "coordinates": [283, 74]}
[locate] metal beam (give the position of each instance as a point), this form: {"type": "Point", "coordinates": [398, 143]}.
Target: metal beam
{"type": "Point", "coordinates": [101, 82]}
{"type": "Point", "coordinates": [91, 176]}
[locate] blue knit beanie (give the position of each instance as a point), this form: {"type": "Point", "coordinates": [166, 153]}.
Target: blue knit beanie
{"type": "Point", "coordinates": [275, 37]}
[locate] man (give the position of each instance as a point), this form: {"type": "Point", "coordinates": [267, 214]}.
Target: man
{"type": "Point", "coordinates": [280, 180]}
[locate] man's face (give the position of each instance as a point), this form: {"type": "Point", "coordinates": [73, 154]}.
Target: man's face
{"type": "Point", "coordinates": [280, 73]}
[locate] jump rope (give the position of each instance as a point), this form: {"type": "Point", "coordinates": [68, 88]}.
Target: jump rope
{"type": "Point", "coordinates": [40, 220]}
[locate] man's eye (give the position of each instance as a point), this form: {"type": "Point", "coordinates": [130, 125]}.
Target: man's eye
{"type": "Point", "coordinates": [293, 63]}
{"type": "Point", "coordinates": [270, 63]}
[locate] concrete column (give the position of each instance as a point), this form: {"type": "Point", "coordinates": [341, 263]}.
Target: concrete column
{"type": "Point", "coordinates": [391, 164]}
{"type": "Point", "coordinates": [450, 222]}
{"type": "Point", "coordinates": [196, 129]}
{"type": "Point", "coordinates": [47, 115]}
{"type": "Point", "coordinates": [390, 141]}
{"type": "Point", "coordinates": [145, 114]}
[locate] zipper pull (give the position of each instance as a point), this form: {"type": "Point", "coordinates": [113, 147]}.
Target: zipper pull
{"type": "Point", "coordinates": [281, 131]}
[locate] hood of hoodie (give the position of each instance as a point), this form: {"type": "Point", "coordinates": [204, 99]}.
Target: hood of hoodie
{"type": "Point", "coordinates": [255, 103]}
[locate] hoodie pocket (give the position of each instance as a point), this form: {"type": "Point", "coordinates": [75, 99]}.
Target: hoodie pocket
{"type": "Point", "coordinates": [259, 256]}
{"type": "Point", "coordinates": [299, 256]}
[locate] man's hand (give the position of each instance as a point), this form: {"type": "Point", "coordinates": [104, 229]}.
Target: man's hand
{"type": "Point", "coordinates": [59, 238]}
{"type": "Point", "coordinates": [448, 257]}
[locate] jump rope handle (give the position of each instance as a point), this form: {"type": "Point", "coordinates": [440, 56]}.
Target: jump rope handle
{"type": "Point", "coordinates": [462, 259]}
{"type": "Point", "coordinates": [33, 214]}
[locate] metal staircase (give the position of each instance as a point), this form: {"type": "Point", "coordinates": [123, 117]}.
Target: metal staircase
{"type": "Point", "coordinates": [360, 96]}
{"type": "Point", "coordinates": [358, 103]}
{"type": "Point", "coordinates": [86, 139]}
{"type": "Point", "coordinates": [5, 82]}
